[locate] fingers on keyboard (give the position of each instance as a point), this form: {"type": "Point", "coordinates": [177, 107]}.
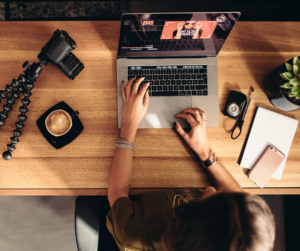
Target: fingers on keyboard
{"type": "Point", "coordinates": [172, 80]}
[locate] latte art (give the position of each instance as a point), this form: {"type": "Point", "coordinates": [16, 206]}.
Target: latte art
{"type": "Point", "coordinates": [58, 122]}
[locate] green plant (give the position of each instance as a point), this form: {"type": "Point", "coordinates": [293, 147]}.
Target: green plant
{"type": "Point", "coordinates": [293, 77]}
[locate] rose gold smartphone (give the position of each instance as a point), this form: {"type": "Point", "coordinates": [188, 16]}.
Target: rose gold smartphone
{"type": "Point", "coordinates": [266, 166]}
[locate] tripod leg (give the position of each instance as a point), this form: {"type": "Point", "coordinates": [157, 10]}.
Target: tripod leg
{"type": "Point", "coordinates": [25, 85]}
{"type": "Point", "coordinates": [10, 100]}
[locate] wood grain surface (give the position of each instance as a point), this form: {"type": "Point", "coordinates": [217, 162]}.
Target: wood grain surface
{"type": "Point", "coordinates": [161, 159]}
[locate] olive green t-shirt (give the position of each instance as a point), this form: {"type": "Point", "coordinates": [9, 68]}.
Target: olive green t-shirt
{"type": "Point", "coordinates": [139, 225]}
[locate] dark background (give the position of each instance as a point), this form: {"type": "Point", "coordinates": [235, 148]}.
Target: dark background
{"type": "Point", "coordinates": [254, 10]}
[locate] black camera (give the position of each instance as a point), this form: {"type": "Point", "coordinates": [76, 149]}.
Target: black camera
{"type": "Point", "coordinates": [235, 105]}
{"type": "Point", "coordinates": [58, 51]}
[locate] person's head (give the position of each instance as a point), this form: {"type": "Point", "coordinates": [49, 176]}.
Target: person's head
{"type": "Point", "coordinates": [222, 221]}
{"type": "Point", "coordinates": [189, 24]}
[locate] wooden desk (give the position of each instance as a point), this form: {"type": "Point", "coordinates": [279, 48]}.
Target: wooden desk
{"type": "Point", "coordinates": [161, 159]}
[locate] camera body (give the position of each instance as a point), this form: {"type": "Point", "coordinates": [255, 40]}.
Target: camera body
{"type": "Point", "coordinates": [235, 105]}
{"type": "Point", "coordinates": [58, 51]}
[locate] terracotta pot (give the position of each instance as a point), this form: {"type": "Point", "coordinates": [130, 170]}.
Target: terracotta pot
{"type": "Point", "coordinates": [278, 96]}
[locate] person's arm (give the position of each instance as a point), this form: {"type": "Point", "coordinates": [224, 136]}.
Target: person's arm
{"type": "Point", "coordinates": [178, 33]}
{"type": "Point", "coordinates": [134, 107]}
{"type": "Point", "coordinates": [197, 140]}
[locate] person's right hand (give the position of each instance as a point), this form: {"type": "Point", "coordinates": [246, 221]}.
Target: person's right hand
{"type": "Point", "coordinates": [196, 138]}
{"type": "Point", "coordinates": [198, 26]}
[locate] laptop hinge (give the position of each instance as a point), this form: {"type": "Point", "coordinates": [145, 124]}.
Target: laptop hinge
{"type": "Point", "coordinates": [163, 57]}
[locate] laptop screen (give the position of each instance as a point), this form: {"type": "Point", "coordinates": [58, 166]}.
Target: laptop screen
{"type": "Point", "coordinates": [174, 35]}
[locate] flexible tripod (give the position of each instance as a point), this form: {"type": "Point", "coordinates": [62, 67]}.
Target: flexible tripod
{"type": "Point", "coordinates": [24, 84]}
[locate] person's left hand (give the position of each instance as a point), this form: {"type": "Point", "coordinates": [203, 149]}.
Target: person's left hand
{"type": "Point", "coordinates": [198, 26]}
{"type": "Point", "coordinates": [134, 103]}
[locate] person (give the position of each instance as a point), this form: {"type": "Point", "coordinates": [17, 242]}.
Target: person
{"type": "Point", "coordinates": [187, 30]}
{"type": "Point", "coordinates": [220, 218]}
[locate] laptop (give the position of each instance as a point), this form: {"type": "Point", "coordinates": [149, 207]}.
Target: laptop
{"type": "Point", "coordinates": [176, 53]}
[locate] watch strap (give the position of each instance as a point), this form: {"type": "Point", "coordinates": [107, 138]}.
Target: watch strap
{"type": "Point", "coordinates": [210, 161]}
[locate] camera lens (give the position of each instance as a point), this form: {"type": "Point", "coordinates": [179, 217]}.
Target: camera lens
{"type": "Point", "coordinates": [71, 66]}
{"type": "Point", "coordinates": [233, 109]}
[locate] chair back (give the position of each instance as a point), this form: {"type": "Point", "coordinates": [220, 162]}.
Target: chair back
{"type": "Point", "coordinates": [90, 224]}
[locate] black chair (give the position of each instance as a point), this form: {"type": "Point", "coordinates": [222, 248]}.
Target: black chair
{"type": "Point", "coordinates": [90, 224]}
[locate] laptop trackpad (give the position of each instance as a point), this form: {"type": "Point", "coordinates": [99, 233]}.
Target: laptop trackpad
{"type": "Point", "coordinates": [161, 112]}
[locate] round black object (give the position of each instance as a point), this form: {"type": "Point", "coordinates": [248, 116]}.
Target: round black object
{"type": "Point", "coordinates": [6, 155]}
{"type": "Point", "coordinates": [26, 65]}
{"type": "Point", "coordinates": [71, 66]}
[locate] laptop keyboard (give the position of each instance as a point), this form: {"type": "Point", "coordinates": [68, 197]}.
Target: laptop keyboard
{"type": "Point", "coordinates": [153, 40]}
{"type": "Point", "coordinates": [167, 45]}
{"type": "Point", "coordinates": [187, 80]}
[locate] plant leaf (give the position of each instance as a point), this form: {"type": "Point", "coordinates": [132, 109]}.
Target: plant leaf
{"type": "Point", "coordinates": [287, 86]}
{"type": "Point", "coordinates": [297, 96]}
{"type": "Point", "coordinates": [289, 67]}
{"type": "Point", "coordinates": [295, 89]}
{"type": "Point", "coordinates": [296, 69]}
{"type": "Point", "coordinates": [281, 75]}
{"type": "Point", "coordinates": [296, 61]}
{"type": "Point", "coordinates": [294, 81]}
{"type": "Point", "coordinates": [287, 75]}
{"type": "Point", "coordinates": [292, 94]}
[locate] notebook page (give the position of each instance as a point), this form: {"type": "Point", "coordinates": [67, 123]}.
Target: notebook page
{"type": "Point", "coordinates": [269, 128]}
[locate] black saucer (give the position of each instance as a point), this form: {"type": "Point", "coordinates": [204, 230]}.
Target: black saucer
{"type": "Point", "coordinates": [60, 141]}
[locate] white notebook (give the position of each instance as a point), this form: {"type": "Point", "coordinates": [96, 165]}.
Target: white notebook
{"type": "Point", "coordinates": [269, 128]}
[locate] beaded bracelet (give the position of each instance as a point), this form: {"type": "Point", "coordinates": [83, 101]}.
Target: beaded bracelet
{"type": "Point", "coordinates": [125, 144]}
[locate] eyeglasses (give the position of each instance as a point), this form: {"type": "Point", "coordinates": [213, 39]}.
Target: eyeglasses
{"type": "Point", "coordinates": [189, 23]}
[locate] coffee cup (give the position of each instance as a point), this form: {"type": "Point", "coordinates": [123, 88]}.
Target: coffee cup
{"type": "Point", "coordinates": [59, 122]}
